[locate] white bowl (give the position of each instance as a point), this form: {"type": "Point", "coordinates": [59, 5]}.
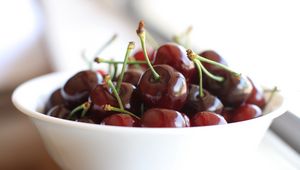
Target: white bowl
{"type": "Point", "coordinates": [82, 146]}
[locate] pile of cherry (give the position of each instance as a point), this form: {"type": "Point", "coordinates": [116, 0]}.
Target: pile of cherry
{"type": "Point", "coordinates": [167, 87]}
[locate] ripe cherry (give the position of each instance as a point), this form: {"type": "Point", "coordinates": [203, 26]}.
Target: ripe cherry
{"type": "Point", "coordinates": [195, 103]}
{"type": "Point", "coordinates": [246, 112]}
{"type": "Point", "coordinates": [77, 89]}
{"type": "Point", "coordinates": [169, 91]}
{"type": "Point", "coordinates": [207, 118]}
{"type": "Point", "coordinates": [175, 55]}
{"type": "Point", "coordinates": [233, 90]}
{"type": "Point", "coordinates": [121, 119]}
{"type": "Point", "coordinates": [54, 99]}
{"type": "Point", "coordinates": [256, 96]}
{"type": "Point", "coordinates": [157, 117]}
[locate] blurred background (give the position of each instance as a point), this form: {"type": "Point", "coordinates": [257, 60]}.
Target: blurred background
{"type": "Point", "coordinates": [259, 38]}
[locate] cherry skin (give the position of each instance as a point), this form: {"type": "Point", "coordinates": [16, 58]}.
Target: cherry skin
{"type": "Point", "coordinates": [175, 55]}
{"type": "Point", "coordinates": [102, 95]}
{"type": "Point", "coordinates": [169, 92]}
{"type": "Point", "coordinates": [133, 76]}
{"type": "Point", "coordinates": [246, 112]}
{"type": "Point", "coordinates": [207, 119]}
{"type": "Point", "coordinates": [77, 89]}
{"type": "Point", "coordinates": [59, 111]}
{"type": "Point", "coordinates": [158, 117]}
{"type": "Point", "coordinates": [232, 91]}
{"type": "Point", "coordinates": [54, 99]}
{"type": "Point", "coordinates": [121, 120]}
{"type": "Point", "coordinates": [256, 96]}
{"type": "Point", "coordinates": [195, 103]}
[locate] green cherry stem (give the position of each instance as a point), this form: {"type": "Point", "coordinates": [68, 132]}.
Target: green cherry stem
{"type": "Point", "coordinates": [108, 107]}
{"type": "Point", "coordinates": [192, 56]}
{"type": "Point", "coordinates": [111, 85]}
{"type": "Point", "coordinates": [217, 64]}
{"type": "Point", "coordinates": [101, 60]}
{"type": "Point", "coordinates": [115, 71]}
{"type": "Point", "coordinates": [83, 107]}
{"type": "Point", "coordinates": [142, 35]}
{"type": "Point", "coordinates": [130, 47]}
{"type": "Point", "coordinates": [199, 68]}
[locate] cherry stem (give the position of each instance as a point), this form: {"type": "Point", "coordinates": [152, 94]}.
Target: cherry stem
{"type": "Point", "coordinates": [112, 39]}
{"type": "Point", "coordinates": [142, 35]}
{"type": "Point", "coordinates": [197, 63]}
{"type": "Point", "coordinates": [217, 64]}
{"type": "Point", "coordinates": [101, 60]}
{"type": "Point", "coordinates": [136, 63]}
{"type": "Point", "coordinates": [111, 85]}
{"type": "Point", "coordinates": [192, 56]}
{"type": "Point", "coordinates": [84, 107]}
{"type": "Point", "coordinates": [130, 47]}
{"type": "Point", "coordinates": [108, 107]}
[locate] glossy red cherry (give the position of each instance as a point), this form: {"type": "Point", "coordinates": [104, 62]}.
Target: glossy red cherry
{"type": "Point", "coordinates": [232, 91]}
{"type": "Point", "coordinates": [59, 111]}
{"type": "Point", "coordinates": [102, 95]}
{"type": "Point", "coordinates": [175, 55]}
{"type": "Point", "coordinates": [207, 118]}
{"type": "Point", "coordinates": [157, 117]}
{"type": "Point", "coordinates": [77, 89]}
{"type": "Point", "coordinates": [169, 91]}
{"type": "Point", "coordinates": [195, 103]}
{"type": "Point", "coordinates": [256, 96]}
{"type": "Point", "coordinates": [121, 120]}
{"type": "Point", "coordinates": [54, 99]}
{"type": "Point", "coordinates": [246, 112]}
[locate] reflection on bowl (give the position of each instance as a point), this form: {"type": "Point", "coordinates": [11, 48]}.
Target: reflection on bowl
{"type": "Point", "coordinates": [82, 146]}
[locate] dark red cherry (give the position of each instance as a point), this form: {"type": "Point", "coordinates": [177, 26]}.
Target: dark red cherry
{"type": "Point", "coordinates": [195, 103]}
{"type": "Point", "coordinates": [102, 95]}
{"type": "Point", "coordinates": [175, 55]}
{"type": "Point", "coordinates": [169, 91]}
{"type": "Point", "coordinates": [256, 96]}
{"type": "Point", "coordinates": [207, 118]}
{"type": "Point", "coordinates": [77, 89]}
{"type": "Point", "coordinates": [212, 55]}
{"type": "Point", "coordinates": [232, 91]}
{"type": "Point", "coordinates": [246, 112]}
{"type": "Point", "coordinates": [157, 117]}
{"type": "Point", "coordinates": [121, 120]}
{"type": "Point", "coordinates": [59, 111]}
{"type": "Point", "coordinates": [133, 76]}
{"type": "Point", "coordinates": [54, 99]}
{"type": "Point", "coordinates": [139, 56]}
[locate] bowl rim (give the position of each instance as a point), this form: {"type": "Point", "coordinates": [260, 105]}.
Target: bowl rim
{"type": "Point", "coordinates": [87, 126]}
